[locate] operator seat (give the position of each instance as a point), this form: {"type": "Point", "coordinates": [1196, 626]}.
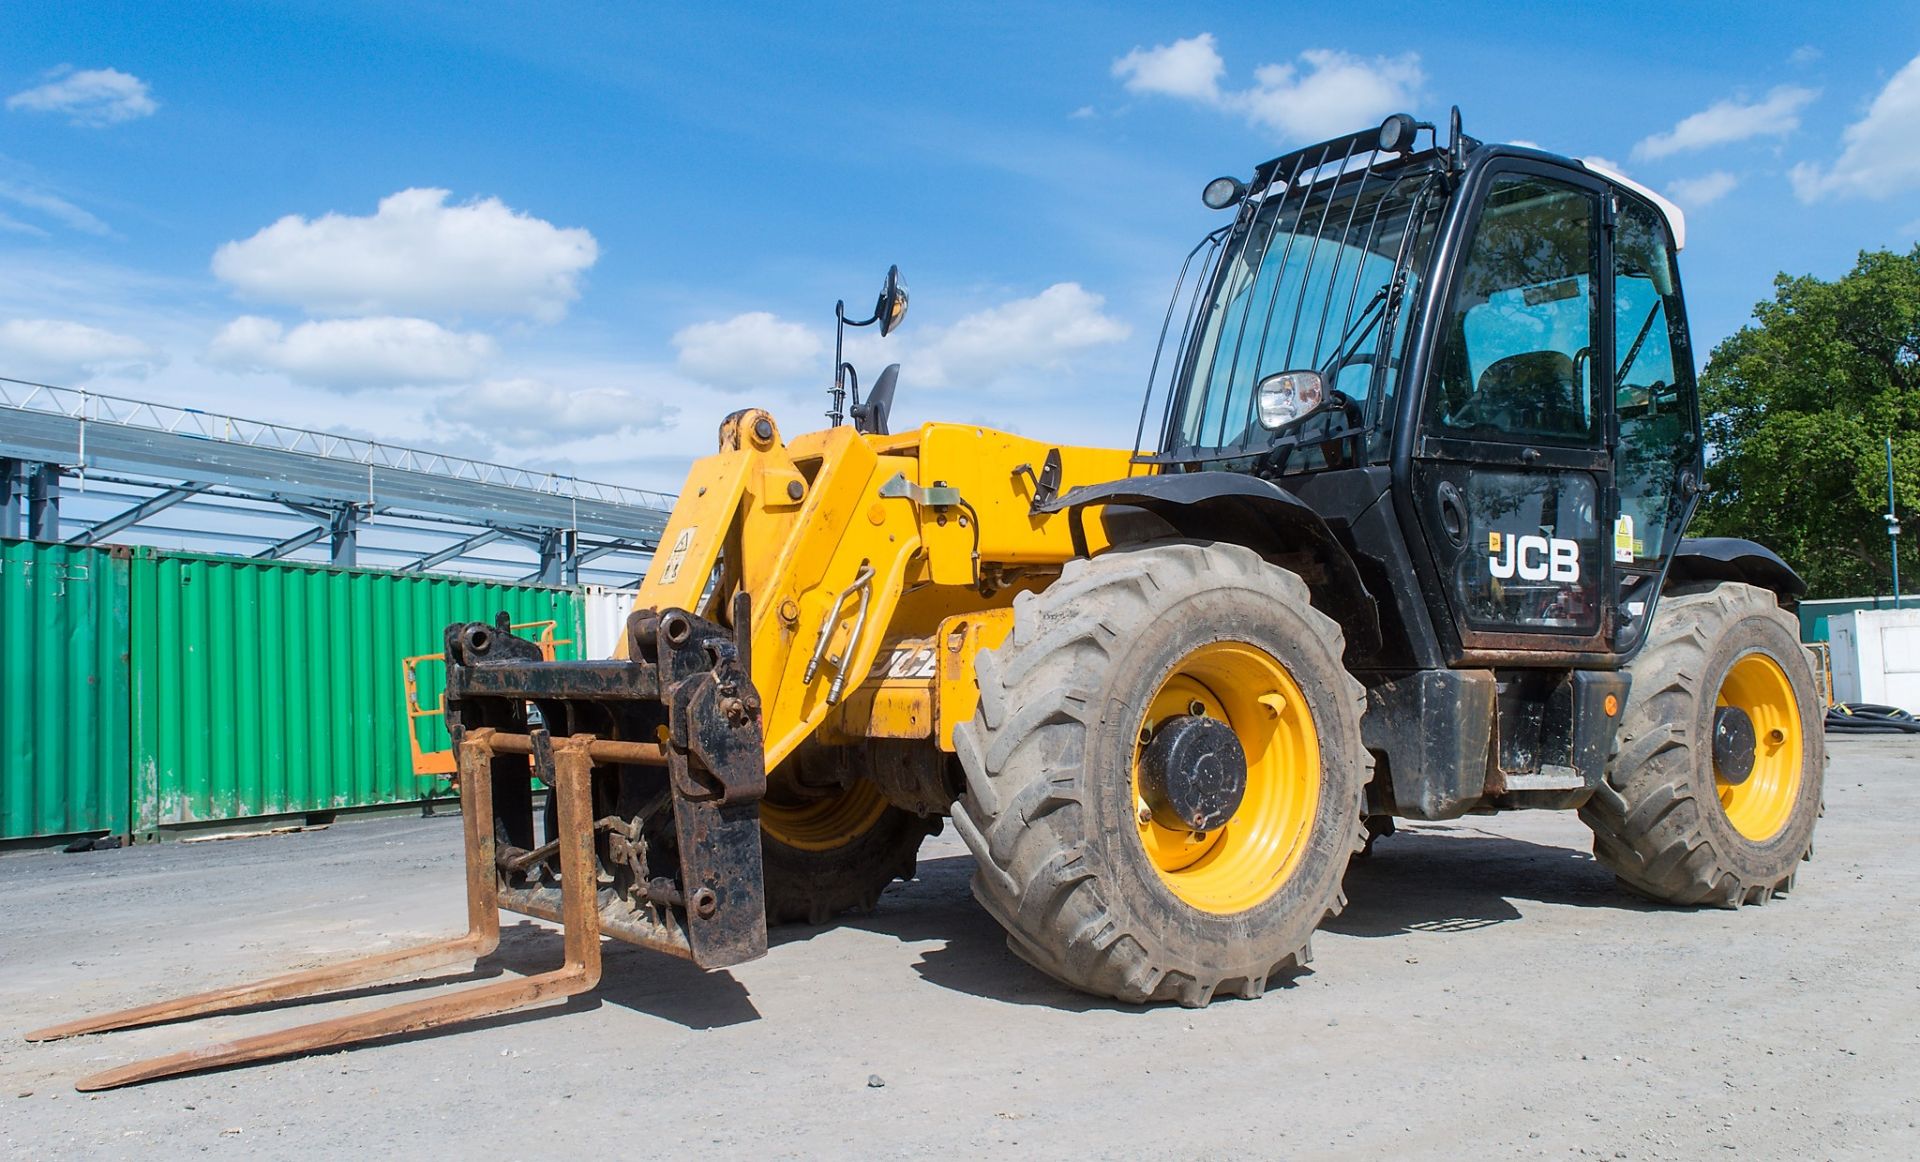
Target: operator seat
{"type": "Point", "coordinates": [1535, 393]}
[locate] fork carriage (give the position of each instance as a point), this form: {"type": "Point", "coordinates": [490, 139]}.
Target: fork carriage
{"type": "Point", "coordinates": [650, 833]}
{"type": "Point", "coordinates": [676, 774]}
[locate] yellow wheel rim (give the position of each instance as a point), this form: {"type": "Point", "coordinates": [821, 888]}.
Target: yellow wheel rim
{"type": "Point", "coordinates": [1759, 807]}
{"type": "Point", "coordinates": [824, 824]}
{"type": "Point", "coordinates": [1246, 860]}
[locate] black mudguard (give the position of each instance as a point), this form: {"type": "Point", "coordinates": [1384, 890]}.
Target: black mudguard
{"type": "Point", "coordinates": [1246, 510]}
{"type": "Point", "coordinates": [1735, 559]}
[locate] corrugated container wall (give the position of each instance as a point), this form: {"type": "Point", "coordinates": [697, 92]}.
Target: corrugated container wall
{"type": "Point", "coordinates": [265, 688]}
{"type": "Point", "coordinates": [605, 618]}
{"type": "Point", "coordinates": [63, 690]}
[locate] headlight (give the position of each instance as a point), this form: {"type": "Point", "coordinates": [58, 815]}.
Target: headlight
{"type": "Point", "coordinates": [1285, 397]}
{"type": "Point", "coordinates": [1223, 192]}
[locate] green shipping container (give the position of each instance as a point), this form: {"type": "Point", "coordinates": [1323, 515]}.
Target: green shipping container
{"type": "Point", "coordinates": [63, 690]}
{"type": "Point", "coordinates": [268, 688]}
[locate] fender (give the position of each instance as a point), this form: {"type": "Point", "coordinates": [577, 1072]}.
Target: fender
{"type": "Point", "coordinates": [1246, 510]}
{"type": "Point", "coordinates": [1735, 559]}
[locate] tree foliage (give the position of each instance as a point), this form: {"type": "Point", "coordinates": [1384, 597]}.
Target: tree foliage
{"type": "Point", "coordinates": [1797, 408]}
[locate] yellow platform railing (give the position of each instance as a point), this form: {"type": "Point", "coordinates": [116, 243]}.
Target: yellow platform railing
{"type": "Point", "coordinates": [440, 764]}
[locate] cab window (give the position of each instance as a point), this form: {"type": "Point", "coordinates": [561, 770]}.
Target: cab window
{"type": "Point", "coordinates": [1517, 358]}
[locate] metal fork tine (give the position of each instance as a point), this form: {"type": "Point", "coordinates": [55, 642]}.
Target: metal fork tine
{"type": "Point", "coordinates": [483, 932]}
{"type": "Point", "coordinates": [581, 971]}
{"type": "Point", "coordinates": [293, 985]}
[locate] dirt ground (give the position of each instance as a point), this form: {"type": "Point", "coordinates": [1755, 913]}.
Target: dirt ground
{"type": "Point", "coordinates": [1489, 992]}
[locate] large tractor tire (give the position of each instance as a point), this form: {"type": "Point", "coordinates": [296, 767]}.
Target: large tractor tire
{"type": "Point", "coordinates": [835, 854]}
{"type": "Point", "coordinates": [1714, 785]}
{"type": "Point", "coordinates": [1110, 723]}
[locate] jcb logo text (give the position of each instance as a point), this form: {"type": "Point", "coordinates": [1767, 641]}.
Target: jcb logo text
{"type": "Point", "coordinates": [1533, 558]}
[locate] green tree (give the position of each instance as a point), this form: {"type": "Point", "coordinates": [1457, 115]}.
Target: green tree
{"type": "Point", "coordinates": [1797, 408]}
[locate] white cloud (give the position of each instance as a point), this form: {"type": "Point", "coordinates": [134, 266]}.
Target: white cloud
{"type": "Point", "coordinates": [52, 206]}
{"type": "Point", "coordinates": [1806, 54]}
{"type": "Point", "coordinates": [1728, 121]}
{"type": "Point", "coordinates": [350, 354]}
{"type": "Point", "coordinates": [1038, 334]}
{"type": "Point", "coordinates": [1329, 93]}
{"type": "Point", "coordinates": [1189, 68]}
{"type": "Point", "coordinates": [90, 97]}
{"type": "Point", "coordinates": [1703, 190]}
{"type": "Point", "coordinates": [60, 351]}
{"type": "Point", "coordinates": [416, 254]}
{"type": "Point", "coordinates": [750, 350]}
{"type": "Point", "coordinates": [527, 412]}
{"type": "Point", "coordinates": [1880, 155]}
{"type": "Point", "coordinates": [1322, 93]}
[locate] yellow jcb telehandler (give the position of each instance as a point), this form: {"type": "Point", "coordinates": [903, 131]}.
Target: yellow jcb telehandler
{"type": "Point", "coordinates": [1404, 542]}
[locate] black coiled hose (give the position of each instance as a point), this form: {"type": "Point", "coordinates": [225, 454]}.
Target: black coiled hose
{"type": "Point", "coordinates": [1867, 718]}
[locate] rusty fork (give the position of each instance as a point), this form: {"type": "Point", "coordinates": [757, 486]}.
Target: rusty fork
{"type": "Point", "coordinates": [572, 771]}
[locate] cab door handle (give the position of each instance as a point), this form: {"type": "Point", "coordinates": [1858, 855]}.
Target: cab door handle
{"type": "Point", "coordinates": [1453, 512]}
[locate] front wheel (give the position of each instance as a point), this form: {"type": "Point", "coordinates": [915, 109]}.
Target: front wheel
{"type": "Point", "coordinates": [834, 853]}
{"type": "Point", "coordinates": [1714, 787]}
{"type": "Point", "coordinates": [1164, 777]}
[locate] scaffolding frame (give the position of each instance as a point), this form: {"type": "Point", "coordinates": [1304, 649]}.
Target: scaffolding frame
{"type": "Point", "coordinates": [85, 468]}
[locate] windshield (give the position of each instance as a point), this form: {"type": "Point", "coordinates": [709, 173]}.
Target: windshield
{"type": "Point", "coordinates": [1307, 282]}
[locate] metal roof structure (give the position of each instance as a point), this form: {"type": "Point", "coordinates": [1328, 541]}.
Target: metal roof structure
{"type": "Point", "coordinates": [85, 468]}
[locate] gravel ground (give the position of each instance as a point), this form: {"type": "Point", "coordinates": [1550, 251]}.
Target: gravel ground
{"type": "Point", "coordinates": [1489, 992]}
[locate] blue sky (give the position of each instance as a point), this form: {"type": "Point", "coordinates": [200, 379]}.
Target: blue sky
{"type": "Point", "coordinates": [647, 215]}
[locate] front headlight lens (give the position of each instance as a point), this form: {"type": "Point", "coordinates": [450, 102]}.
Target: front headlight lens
{"type": "Point", "coordinates": [1284, 398]}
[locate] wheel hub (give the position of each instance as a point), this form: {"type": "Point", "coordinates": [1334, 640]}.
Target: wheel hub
{"type": "Point", "coordinates": [1734, 743]}
{"type": "Point", "coordinates": [1193, 774]}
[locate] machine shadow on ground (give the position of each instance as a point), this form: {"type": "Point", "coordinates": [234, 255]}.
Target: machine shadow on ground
{"type": "Point", "coordinates": [1457, 877]}
{"type": "Point", "coordinates": [640, 979]}
{"type": "Point", "coordinates": [1441, 878]}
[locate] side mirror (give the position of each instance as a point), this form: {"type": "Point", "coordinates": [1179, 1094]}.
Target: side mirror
{"type": "Point", "coordinates": [892, 307]}
{"type": "Point", "coordinates": [1285, 396]}
{"type": "Point", "coordinates": [888, 311]}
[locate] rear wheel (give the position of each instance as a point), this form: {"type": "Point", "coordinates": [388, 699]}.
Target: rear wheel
{"type": "Point", "coordinates": [1164, 778]}
{"type": "Point", "coordinates": [833, 853]}
{"type": "Point", "coordinates": [1714, 787]}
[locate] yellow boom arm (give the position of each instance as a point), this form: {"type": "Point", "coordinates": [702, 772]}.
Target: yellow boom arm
{"type": "Point", "coordinates": [850, 544]}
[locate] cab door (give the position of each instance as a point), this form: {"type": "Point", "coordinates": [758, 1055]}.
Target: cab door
{"type": "Point", "coordinates": [1657, 464]}
{"type": "Point", "coordinates": [1510, 471]}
